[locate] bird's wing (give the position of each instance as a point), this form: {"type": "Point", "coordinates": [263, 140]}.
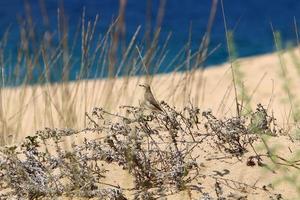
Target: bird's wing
{"type": "Point", "coordinates": [155, 103]}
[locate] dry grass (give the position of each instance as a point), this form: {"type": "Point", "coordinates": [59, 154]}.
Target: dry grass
{"type": "Point", "coordinates": [164, 153]}
{"type": "Point", "coordinates": [43, 58]}
{"type": "Point", "coordinates": [234, 133]}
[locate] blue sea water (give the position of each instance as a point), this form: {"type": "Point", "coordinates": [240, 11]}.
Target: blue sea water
{"type": "Point", "coordinates": [251, 21]}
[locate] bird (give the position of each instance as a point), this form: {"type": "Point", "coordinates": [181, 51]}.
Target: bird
{"type": "Point", "coordinates": [149, 100]}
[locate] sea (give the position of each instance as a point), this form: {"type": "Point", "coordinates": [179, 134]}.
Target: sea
{"type": "Point", "coordinates": [252, 22]}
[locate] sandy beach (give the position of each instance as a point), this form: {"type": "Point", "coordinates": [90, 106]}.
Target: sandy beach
{"type": "Point", "coordinates": [212, 88]}
{"type": "Point", "coordinates": [108, 100]}
{"type": "Point", "coordinates": [33, 108]}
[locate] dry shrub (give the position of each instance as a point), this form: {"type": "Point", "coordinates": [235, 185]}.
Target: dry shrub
{"type": "Point", "coordinates": [159, 149]}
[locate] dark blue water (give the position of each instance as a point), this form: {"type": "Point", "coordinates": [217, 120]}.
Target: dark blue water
{"type": "Point", "coordinates": [250, 21]}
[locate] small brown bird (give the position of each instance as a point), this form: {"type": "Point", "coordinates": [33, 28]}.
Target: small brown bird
{"type": "Point", "coordinates": [149, 100]}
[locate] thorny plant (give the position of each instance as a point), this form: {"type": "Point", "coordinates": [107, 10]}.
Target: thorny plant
{"type": "Point", "coordinates": [235, 134]}
{"type": "Point", "coordinates": [153, 147]}
{"type": "Point", "coordinates": [157, 148]}
{"type": "Point", "coordinates": [33, 172]}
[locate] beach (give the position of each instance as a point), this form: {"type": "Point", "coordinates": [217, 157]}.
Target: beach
{"type": "Point", "coordinates": [145, 100]}
{"type": "Point", "coordinates": [64, 105]}
{"type": "Point", "coordinates": [51, 105]}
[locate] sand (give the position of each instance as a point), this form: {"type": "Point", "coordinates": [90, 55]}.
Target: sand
{"type": "Point", "coordinates": [27, 109]}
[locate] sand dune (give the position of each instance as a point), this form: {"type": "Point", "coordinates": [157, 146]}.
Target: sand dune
{"type": "Point", "coordinates": [28, 109]}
